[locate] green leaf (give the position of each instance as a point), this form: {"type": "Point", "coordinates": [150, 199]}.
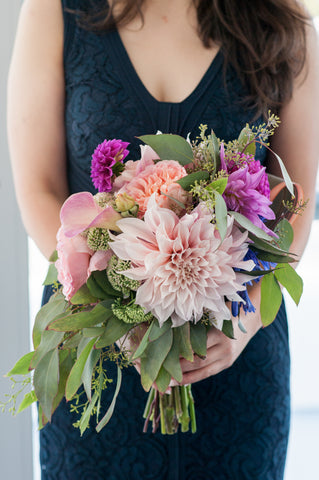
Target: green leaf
{"type": "Point", "coordinates": [52, 275]}
{"type": "Point", "coordinates": [162, 380]}
{"type": "Point", "coordinates": [48, 312]}
{"type": "Point", "coordinates": [285, 233]}
{"type": "Point", "coordinates": [110, 410]}
{"type": "Point", "coordinates": [74, 380]}
{"type": "Point", "coordinates": [114, 330]}
{"type": "Point", "coordinates": [88, 372]}
{"type": "Point", "coordinates": [65, 366]}
{"type": "Point", "coordinates": [263, 245]}
{"type": "Point", "coordinates": [84, 422]}
{"type": "Point", "coordinates": [218, 185]}
{"type": "Point", "coordinates": [91, 332]}
{"type": "Point", "coordinates": [76, 321]}
{"type": "Point", "coordinates": [28, 399]}
{"type": "Point", "coordinates": [214, 149]}
{"type": "Point", "coordinates": [22, 366]}
{"type": "Point", "coordinates": [83, 297]}
{"type": "Point", "coordinates": [290, 279]}
{"type": "Point", "coordinates": [143, 343]}
{"type": "Point", "coordinates": [170, 147]}
{"type": "Point", "coordinates": [221, 215]}
{"type": "Point", "coordinates": [49, 341]}
{"type": "Point", "coordinates": [185, 347]}
{"type": "Point", "coordinates": [228, 329]}
{"type": "Point", "coordinates": [157, 331]}
{"type": "Point", "coordinates": [271, 298]}
{"type": "Point", "coordinates": [245, 137]}
{"type": "Point", "coordinates": [172, 361]}
{"type": "Point", "coordinates": [153, 358]}
{"type": "Point", "coordinates": [271, 257]}
{"type": "Point", "coordinates": [45, 380]}
{"type": "Point", "coordinates": [248, 225]}
{"type": "Point", "coordinates": [189, 181]}
{"type": "Point", "coordinates": [285, 175]}
{"type": "Point", "coordinates": [198, 337]}
{"type": "Point", "coordinates": [100, 277]}
{"type": "Point", "coordinates": [53, 257]}
{"type": "Point", "coordinates": [72, 341]}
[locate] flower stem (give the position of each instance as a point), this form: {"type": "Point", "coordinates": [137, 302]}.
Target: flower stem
{"type": "Point", "coordinates": [191, 408]}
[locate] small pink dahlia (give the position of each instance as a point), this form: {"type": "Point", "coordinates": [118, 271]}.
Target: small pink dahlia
{"type": "Point", "coordinates": [105, 156]}
{"type": "Point", "coordinates": [181, 263]}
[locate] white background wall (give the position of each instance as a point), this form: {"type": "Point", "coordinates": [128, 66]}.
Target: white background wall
{"type": "Point", "coordinates": [15, 433]}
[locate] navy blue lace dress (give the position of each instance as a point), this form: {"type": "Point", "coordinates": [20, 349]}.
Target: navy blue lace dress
{"type": "Point", "coordinates": [243, 412]}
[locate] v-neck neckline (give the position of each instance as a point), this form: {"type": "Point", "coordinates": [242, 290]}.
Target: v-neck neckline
{"type": "Point", "coordinates": [133, 77]}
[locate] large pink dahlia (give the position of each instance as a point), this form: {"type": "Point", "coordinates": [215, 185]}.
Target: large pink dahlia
{"type": "Point", "coordinates": [183, 267]}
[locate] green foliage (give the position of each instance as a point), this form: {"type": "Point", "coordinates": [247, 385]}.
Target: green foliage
{"type": "Point", "coordinates": [271, 298]}
{"type": "Point", "coordinates": [246, 141]}
{"type": "Point", "coordinates": [52, 275]}
{"type": "Point", "coordinates": [76, 321]}
{"type": "Point", "coordinates": [110, 410]}
{"type": "Point", "coordinates": [248, 225]}
{"type": "Point", "coordinates": [45, 380]}
{"type": "Point", "coordinates": [29, 399]}
{"type": "Point", "coordinates": [83, 296]}
{"type": "Point", "coordinates": [153, 358]}
{"type": "Point", "coordinates": [114, 330]}
{"type": "Point", "coordinates": [170, 147]}
{"type": "Point", "coordinates": [290, 279]}
{"type": "Point", "coordinates": [22, 366]}
{"type": "Point", "coordinates": [285, 233]}
{"type": "Point", "coordinates": [198, 338]}
{"type": "Point", "coordinates": [74, 380]}
{"type": "Point", "coordinates": [190, 180]}
{"type": "Point", "coordinates": [228, 329]}
{"type": "Point", "coordinates": [48, 312]}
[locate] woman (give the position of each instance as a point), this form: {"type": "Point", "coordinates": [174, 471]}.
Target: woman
{"type": "Point", "coordinates": [181, 63]}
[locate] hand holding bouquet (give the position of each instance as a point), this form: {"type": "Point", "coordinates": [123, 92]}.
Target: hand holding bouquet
{"type": "Point", "coordinates": [162, 254]}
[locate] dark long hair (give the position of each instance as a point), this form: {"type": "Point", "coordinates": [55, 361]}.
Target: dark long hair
{"type": "Point", "coordinates": [264, 40]}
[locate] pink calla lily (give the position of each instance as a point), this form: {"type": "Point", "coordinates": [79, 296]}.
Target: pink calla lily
{"type": "Point", "coordinates": [80, 212]}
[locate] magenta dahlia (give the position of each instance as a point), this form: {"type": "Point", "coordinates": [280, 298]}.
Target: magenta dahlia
{"type": "Point", "coordinates": [105, 156]}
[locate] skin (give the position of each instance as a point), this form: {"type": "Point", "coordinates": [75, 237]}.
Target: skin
{"type": "Point", "coordinates": [37, 135]}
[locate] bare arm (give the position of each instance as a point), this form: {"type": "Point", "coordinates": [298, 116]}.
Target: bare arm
{"type": "Point", "coordinates": [36, 120]}
{"type": "Point", "coordinates": [297, 142]}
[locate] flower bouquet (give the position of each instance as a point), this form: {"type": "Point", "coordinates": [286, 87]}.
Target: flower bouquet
{"type": "Point", "coordinates": [161, 254]}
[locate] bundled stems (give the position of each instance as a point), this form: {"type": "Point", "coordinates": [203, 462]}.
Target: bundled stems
{"type": "Point", "coordinates": [171, 410]}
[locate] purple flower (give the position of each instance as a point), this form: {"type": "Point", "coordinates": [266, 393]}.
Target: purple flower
{"type": "Point", "coordinates": [105, 156]}
{"type": "Point", "coordinates": [247, 191]}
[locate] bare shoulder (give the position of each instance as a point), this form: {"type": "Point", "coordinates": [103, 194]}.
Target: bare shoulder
{"type": "Point", "coordinates": [41, 26]}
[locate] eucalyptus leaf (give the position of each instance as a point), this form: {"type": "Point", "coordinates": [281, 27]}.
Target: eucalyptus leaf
{"type": "Point", "coordinates": [97, 289]}
{"type": "Point", "coordinates": [100, 277]}
{"type": "Point", "coordinates": [110, 410]}
{"type": "Point", "coordinates": [83, 296]}
{"type": "Point", "coordinates": [114, 330]}
{"type": "Point", "coordinates": [263, 245]}
{"type": "Point", "coordinates": [45, 381]}
{"type": "Point", "coordinates": [49, 341]}
{"type": "Point", "coordinates": [143, 343]}
{"type": "Point", "coordinates": [289, 278]}
{"type": "Point", "coordinates": [189, 181]}
{"type": "Point", "coordinates": [22, 366]}
{"type": "Point", "coordinates": [170, 147]}
{"type": "Point", "coordinates": [72, 341]}
{"type": "Point", "coordinates": [91, 332]}
{"type": "Point", "coordinates": [48, 312]}
{"type": "Point", "coordinates": [53, 257]}
{"type": "Point", "coordinates": [158, 330]}
{"type": "Point", "coordinates": [198, 338]}
{"type": "Point", "coordinates": [85, 419]}
{"type": "Point", "coordinates": [28, 399]}
{"type": "Point", "coordinates": [75, 378]}
{"type": "Point", "coordinates": [271, 298]}
{"type": "Point", "coordinates": [88, 372]}
{"type": "Point", "coordinates": [52, 275]}
{"type": "Point", "coordinates": [272, 257]}
{"type": "Point", "coordinates": [153, 358]}
{"type": "Point", "coordinates": [221, 215]}
{"type": "Point", "coordinates": [182, 334]}
{"type": "Point", "coordinates": [76, 321]}
{"type": "Point", "coordinates": [172, 361]}
{"type": "Point", "coordinates": [162, 380]}
{"type": "Point", "coordinates": [214, 151]}
{"type": "Point", "coordinates": [65, 366]}
{"type": "Point", "coordinates": [285, 175]}
{"type": "Point", "coordinates": [248, 225]}
{"type": "Point", "coordinates": [228, 329]}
